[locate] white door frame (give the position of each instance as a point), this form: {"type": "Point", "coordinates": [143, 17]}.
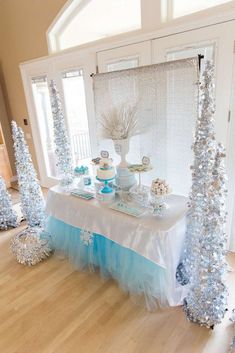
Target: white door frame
{"type": "Point", "coordinates": [36, 69]}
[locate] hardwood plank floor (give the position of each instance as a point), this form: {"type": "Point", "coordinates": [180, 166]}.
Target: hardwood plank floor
{"type": "Point", "coordinates": [51, 308]}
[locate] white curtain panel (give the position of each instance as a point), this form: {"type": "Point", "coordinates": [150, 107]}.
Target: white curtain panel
{"type": "Point", "coordinates": [167, 100]}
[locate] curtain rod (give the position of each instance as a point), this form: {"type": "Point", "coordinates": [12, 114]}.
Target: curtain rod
{"type": "Point", "coordinates": [200, 57]}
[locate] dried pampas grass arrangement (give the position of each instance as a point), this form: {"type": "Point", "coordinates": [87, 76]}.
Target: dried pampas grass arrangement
{"type": "Point", "coordinates": [119, 123]}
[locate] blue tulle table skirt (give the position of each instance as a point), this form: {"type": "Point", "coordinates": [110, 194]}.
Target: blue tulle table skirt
{"type": "Point", "coordinates": [135, 274]}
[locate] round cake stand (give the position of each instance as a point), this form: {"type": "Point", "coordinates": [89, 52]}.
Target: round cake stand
{"type": "Point", "coordinates": [106, 189]}
{"type": "Point", "coordinates": [135, 169]}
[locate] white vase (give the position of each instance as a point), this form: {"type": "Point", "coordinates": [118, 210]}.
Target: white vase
{"type": "Point", "coordinates": [124, 178]}
{"type": "Point", "coordinates": [122, 148]}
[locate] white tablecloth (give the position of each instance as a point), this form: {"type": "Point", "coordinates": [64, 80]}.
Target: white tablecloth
{"type": "Point", "coordinates": [159, 239]}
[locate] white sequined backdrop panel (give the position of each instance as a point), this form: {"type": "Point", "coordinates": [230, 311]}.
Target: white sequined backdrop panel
{"type": "Point", "coordinates": [166, 97]}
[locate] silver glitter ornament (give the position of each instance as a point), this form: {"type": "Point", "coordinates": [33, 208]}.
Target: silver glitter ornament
{"type": "Point", "coordinates": [32, 200]}
{"type": "Point", "coordinates": [30, 246]}
{"type": "Point", "coordinates": [204, 258]}
{"type": "Point", "coordinates": [8, 217]}
{"type": "Point", "coordinates": [63, 150]}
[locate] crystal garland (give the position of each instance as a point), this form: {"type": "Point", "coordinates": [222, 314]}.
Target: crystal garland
{"type": "Point", "coordinates": [63, 151]}
{"type": "Point", "coordinates": [32, 201]}
{"type": "Point", "coordinates": [204, 262]}
{"type": "Point", "coordinates": [8, 217]}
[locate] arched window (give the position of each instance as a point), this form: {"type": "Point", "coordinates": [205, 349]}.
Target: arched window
{"type": "Point", "coordinates": [85, 21]}
{"type": "Point", "coordinates": [179, 8]}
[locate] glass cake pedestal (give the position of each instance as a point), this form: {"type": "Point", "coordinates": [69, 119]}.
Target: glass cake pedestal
{"type": "Point", "coordinates": [107, 193]}
{"type": "Point", "coordinates": [140, 192]}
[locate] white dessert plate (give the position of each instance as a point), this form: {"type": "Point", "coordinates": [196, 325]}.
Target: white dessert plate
{"type": "Point", "coordinates": [130, 210]}
{"type": "Point", "coordinates": [82, 194]}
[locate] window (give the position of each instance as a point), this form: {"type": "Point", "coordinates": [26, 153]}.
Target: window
{"type": "Point", "coordinates": [185, 7]}
{"type": "Point", "coordinates": [76, 113]}
{"type": "Point", "coordinates": [93, 20]}
{"type": "Point", "coordinates": [123, 64]}
{"type": "Point", "coordinates": [207, 50]}
{"type": "Point", "coordinates": [45, 121]}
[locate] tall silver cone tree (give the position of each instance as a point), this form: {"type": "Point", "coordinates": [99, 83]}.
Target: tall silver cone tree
{"type": "Point", "coordinates": [63, 150]}
{"type": "Point", "coordinates": [32, 201]}
{"type": "Point", "coordinates": [204, 259]}
{"type": "Point", "coordinates": [8, 217]}
{"type": "Point", "coordinates": [204, 154]}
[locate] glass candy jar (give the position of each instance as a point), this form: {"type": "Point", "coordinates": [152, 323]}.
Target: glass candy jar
{"type": "Point", "coordinates": [158, 203]}
{"type": "Point", "coordinates": [140, 194]}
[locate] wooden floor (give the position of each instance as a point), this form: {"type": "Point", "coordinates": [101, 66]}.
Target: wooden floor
{"type": "Point", "coordinates": [50, 308]}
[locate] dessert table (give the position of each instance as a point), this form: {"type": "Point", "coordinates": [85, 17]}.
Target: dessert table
{"type": "Point", "coordinates": [141, 254]}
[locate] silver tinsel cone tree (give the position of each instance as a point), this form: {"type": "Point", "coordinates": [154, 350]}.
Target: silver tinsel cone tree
{"type": "Point", "coordinates": [32, 201]}
{"type": "Point", "coordinates": [204, 259]}
{"type": "Point", "coordinates": [204, 153]}
{"type": "Point", "coordinates": [63, 151]}
{"type": "Point", "coordinates": [8, 217]}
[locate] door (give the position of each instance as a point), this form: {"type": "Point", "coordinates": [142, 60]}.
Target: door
{"type": "Point", "coordinates": [71, 74]}
{"type": "Point", "coordinates": [73, 77]}
{"type": "Point", "coordinates": [212, 42]}
{"type": "Point", "coordinates": [36, 77]}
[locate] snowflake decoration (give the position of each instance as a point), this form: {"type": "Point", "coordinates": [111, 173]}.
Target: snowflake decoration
{"type": "Point", "coordinates": [86, 237]}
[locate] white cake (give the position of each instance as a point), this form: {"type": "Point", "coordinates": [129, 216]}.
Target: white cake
{"type": "Point", "coordinates": [124, 178]}
{"type": "Point", "coordinates": [105, 170]}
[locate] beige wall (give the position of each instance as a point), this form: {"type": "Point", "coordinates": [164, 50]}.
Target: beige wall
{"type": "Point", "coordinates": [23, 26]}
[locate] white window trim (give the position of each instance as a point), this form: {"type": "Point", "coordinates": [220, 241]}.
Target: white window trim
{"type": "Point", "coordinates": [59, 21]}
{"type": "Point", "coordinates": [27, 73]}
{"type": "Point", "coordinates": [205, 18]}
{"type": "Point", "coordinates": [213, 9]}
{"type": "Point", "coordinates": [67, 13]}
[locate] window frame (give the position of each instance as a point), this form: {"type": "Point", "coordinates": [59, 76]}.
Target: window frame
{"type": "Point", "coordinates": [28, 73]}
{"type": "Point", "coordinates": [53, 68]}
{"type": "Point", "coordinates": [68, 13]}
{"type": "Point", "coordinates": [213, 10]}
